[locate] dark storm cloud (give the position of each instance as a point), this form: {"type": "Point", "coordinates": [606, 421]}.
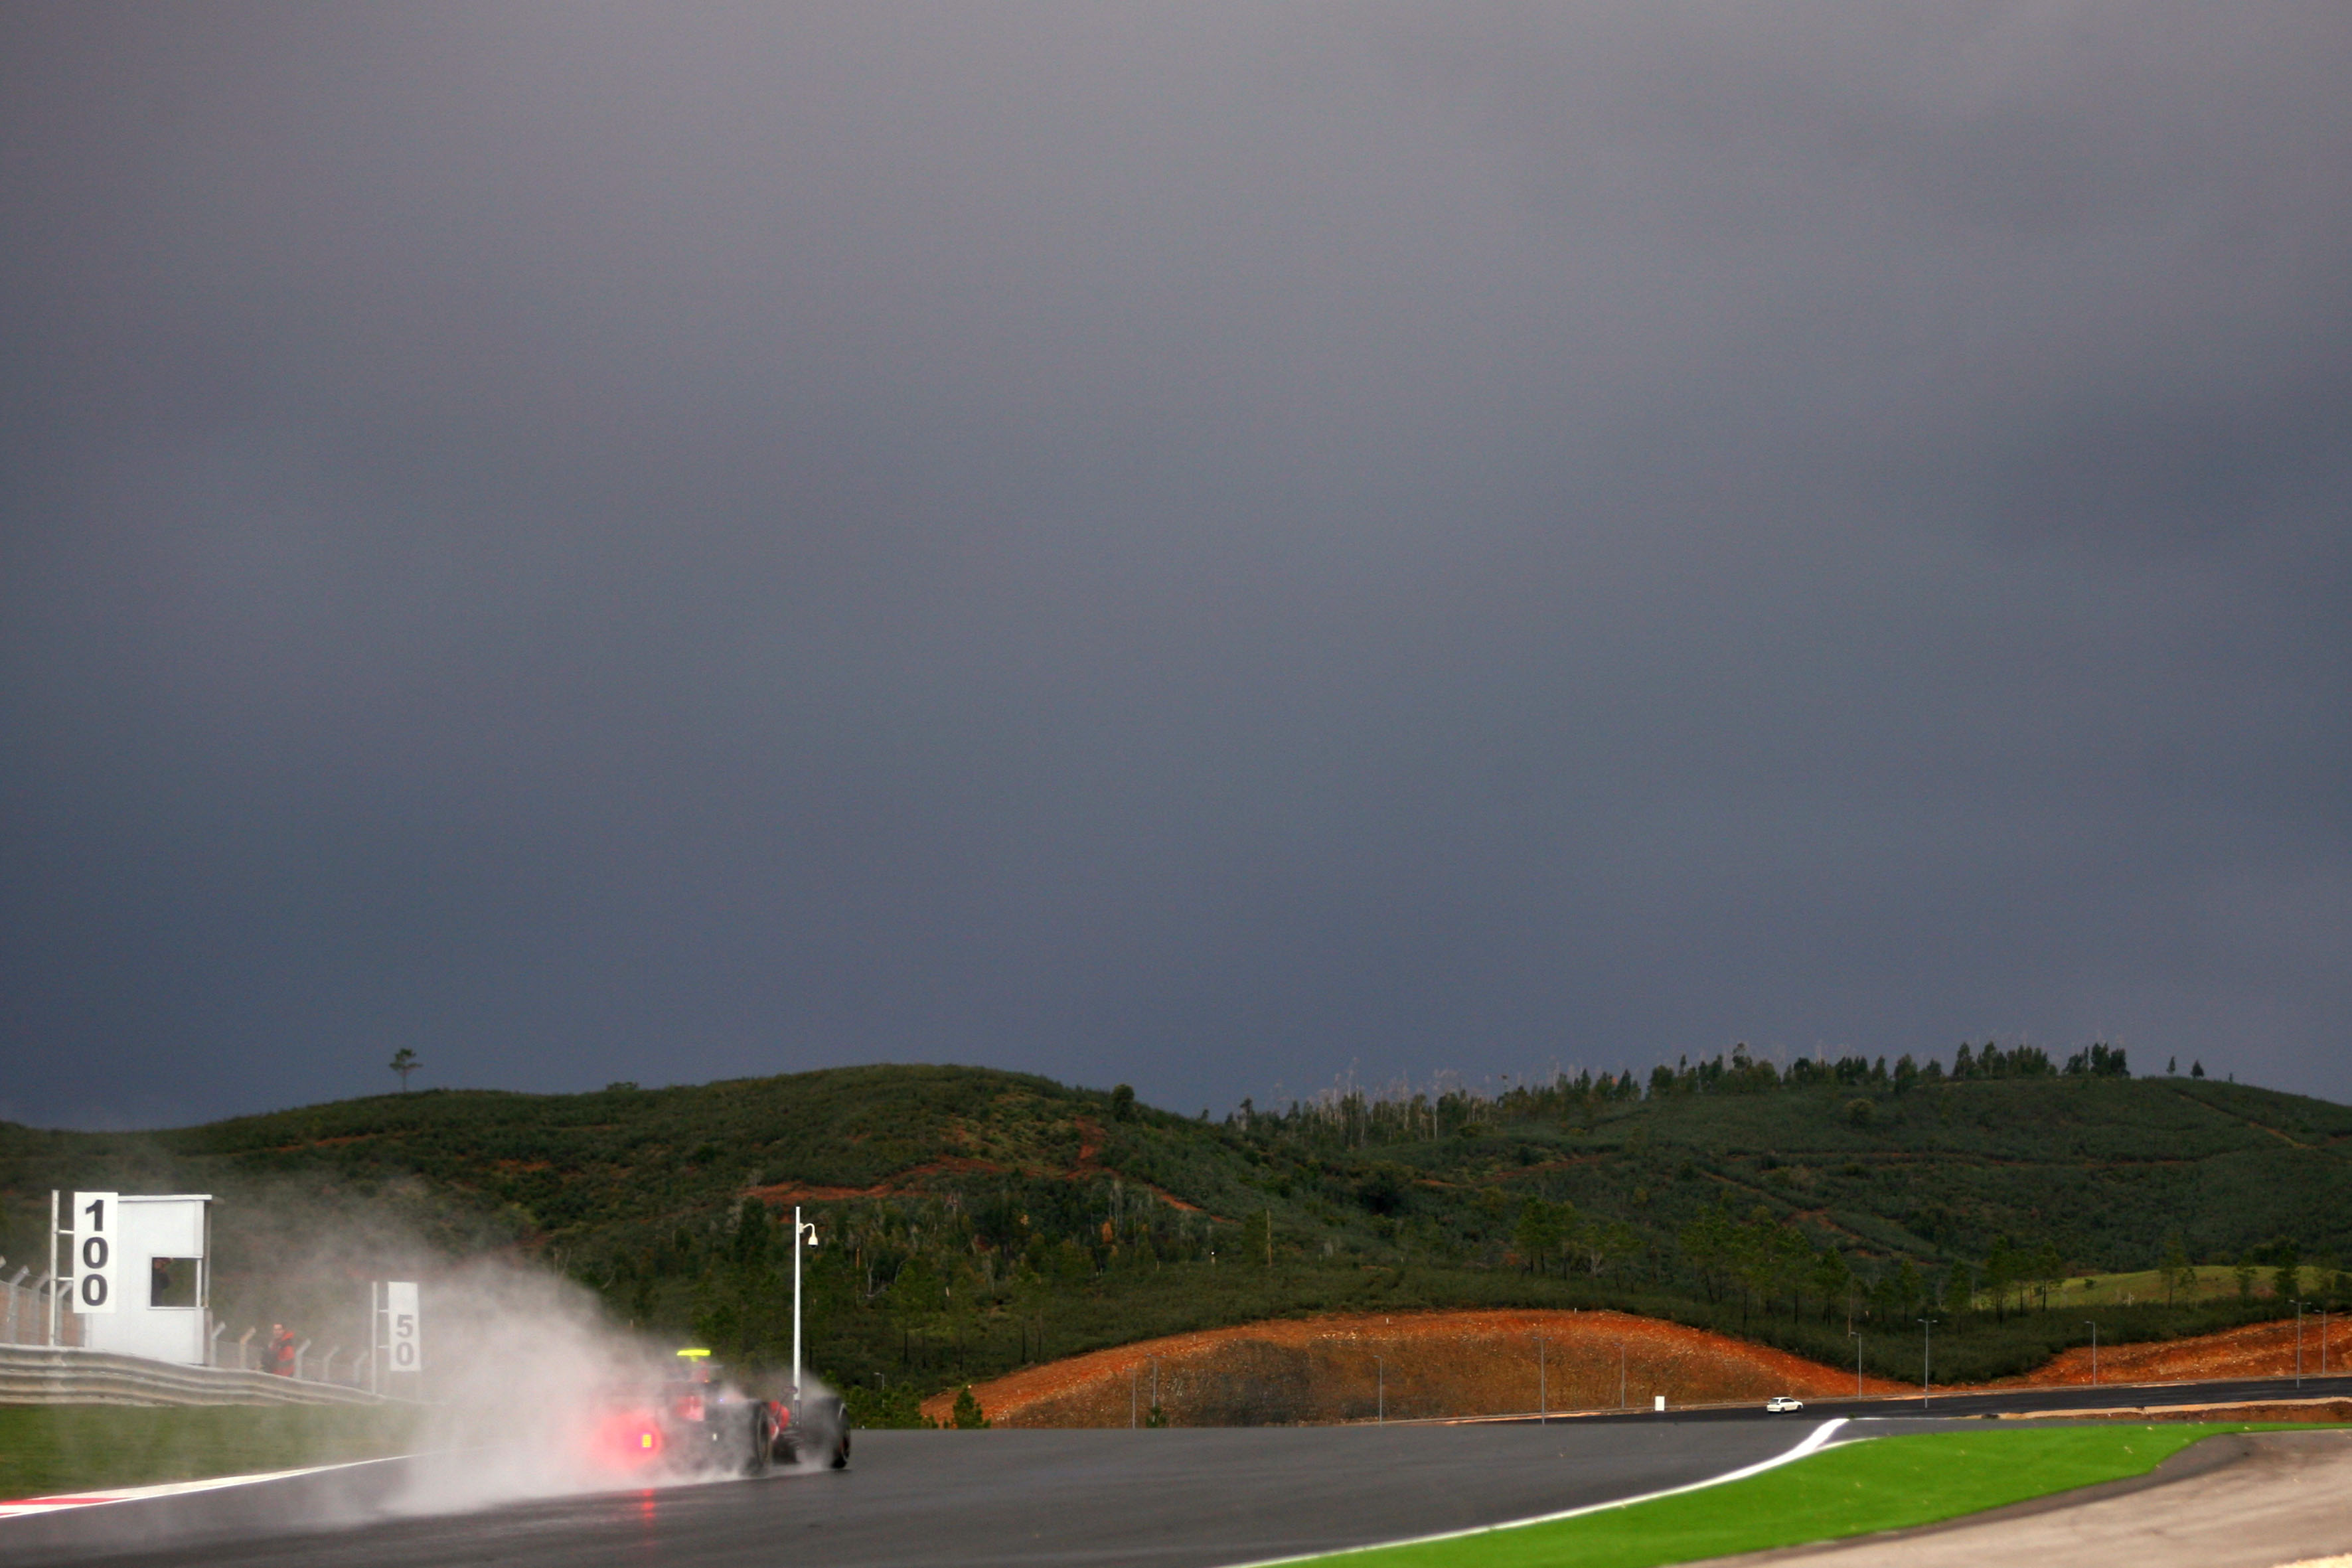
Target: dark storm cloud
{"type": "Point", "coordinates": [1189, 545]}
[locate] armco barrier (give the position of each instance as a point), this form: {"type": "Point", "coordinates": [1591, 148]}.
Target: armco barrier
{"type": "Point", "coordinates": [35, 1374]}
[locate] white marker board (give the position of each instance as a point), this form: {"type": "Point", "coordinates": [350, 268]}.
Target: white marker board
{"type": "Point", "coordinates": [96, 1229]}
{"type": "Point", "coordinates": [404, 1344]}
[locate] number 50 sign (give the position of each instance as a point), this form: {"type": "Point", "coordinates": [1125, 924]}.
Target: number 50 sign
{"type": "Point", "coordinates": [404, 1344]}
{"type": "Point", "coordinates": [94, 1230]}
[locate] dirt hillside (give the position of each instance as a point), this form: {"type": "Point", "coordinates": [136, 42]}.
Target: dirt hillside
{"type": "Point", "coordinates": [2259, 1349]}
{"type": "Point", "coordinates": [1412, 1364]}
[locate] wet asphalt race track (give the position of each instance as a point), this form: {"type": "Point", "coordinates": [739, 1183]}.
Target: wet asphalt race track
{"type": "Point", "coordinates": [1183, 1499]}
{"type": "Point", "coordinates": [2026, 1401]}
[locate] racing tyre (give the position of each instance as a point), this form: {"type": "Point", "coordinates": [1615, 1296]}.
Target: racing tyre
{"type": "Point", "coordinates": [762, 1440]}
{"type": "Point", "coordinates": [833, 1422]}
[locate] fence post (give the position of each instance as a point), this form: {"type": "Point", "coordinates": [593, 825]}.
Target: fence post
{"type": "Point", "coordinates": [242, 1341]}
{"type": "Point", "coordinates": [299, 1352]}
{"type": "Point", "coordinates": [212, 1344]}
{"type": "Point", "coordinates": [51, 1270]}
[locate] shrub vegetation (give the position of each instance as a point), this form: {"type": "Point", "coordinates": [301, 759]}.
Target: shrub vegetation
{"type": "Point", "coordinates": [975, 1221]}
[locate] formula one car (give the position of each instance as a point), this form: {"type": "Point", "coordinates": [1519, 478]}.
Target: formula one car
{"type": "Point", "coordinates": [697, 1422]}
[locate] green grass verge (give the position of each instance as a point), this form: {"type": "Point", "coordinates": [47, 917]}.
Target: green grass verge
{"type": "Point", "coordinates": [51, 1449]}
{"type": "Point", "coordinates": [1885, 1483]}
{"type": "Point", "coordinates": [2214, 1282]}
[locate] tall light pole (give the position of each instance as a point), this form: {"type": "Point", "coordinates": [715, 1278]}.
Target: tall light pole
{"type": "Point", "coordinates": [803, 1235]}
{"type": "Point", "coordinates": [2298, 1344]}
{"type": "Point", "coordinates": [2094, 1352]}
{"type": "Point", "coordinates": [1855, 1335]}
{"type": "Point", "coordinates": [1926, 1356]}
{"type": "Point", "coordinates": [1381, 1392]}
{"type": "Point", "coordinates": [1543, 1389]}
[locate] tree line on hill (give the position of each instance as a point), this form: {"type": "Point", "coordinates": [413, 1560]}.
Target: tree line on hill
{"type": "Point", "coordinates": [1353, 1116]}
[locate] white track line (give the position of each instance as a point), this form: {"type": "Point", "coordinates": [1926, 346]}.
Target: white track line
{"type": "Point", "coordinates": [96, 1497]}
{"type": "Point", "coordinates": [1811, 1444]}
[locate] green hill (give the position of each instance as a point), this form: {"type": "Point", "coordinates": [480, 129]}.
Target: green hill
{"type": "Point", "coordinates": [975, 1219]}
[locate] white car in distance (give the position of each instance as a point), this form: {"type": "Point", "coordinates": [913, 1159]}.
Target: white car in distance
{"type": "Point", "coordinates": [1783, 1405]}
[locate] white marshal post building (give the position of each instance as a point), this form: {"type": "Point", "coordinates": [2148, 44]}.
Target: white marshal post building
{"type": "Point", "coordinates": [137, 1273]}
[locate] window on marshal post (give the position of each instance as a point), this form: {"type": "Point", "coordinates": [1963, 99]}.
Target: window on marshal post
{"type": "Point", "coordinates": [172, 1282]}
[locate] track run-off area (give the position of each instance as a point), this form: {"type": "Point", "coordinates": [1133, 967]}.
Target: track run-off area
{"type": "Point", "coordinates": [1184, 1497]}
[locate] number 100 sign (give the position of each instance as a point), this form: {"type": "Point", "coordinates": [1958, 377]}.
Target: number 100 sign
{"type": "Point", "coordinates": [404, 1344]}
{"type": "Point", "coordinates": [94, 1230]}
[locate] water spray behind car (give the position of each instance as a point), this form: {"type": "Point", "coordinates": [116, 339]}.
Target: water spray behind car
{"type": "Point", "coordinates": [535, 1393]}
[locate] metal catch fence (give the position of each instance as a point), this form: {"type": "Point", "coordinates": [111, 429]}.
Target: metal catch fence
{"type": "Point", "coordinates": [25, 1321]}
{"type": "Point", "coordinates": [24, 1312]}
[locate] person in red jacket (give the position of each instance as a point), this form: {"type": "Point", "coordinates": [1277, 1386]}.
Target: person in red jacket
{"type": "Point", "coordinates": [282, 1349]}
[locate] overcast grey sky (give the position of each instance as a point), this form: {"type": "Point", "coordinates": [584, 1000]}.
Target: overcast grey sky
{"type": "Point", "coordinates": [1193, 545]}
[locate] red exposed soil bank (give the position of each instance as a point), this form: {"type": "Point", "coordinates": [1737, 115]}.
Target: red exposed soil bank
{"type": "Point", "coordinates": [1412, 1364]}
{"type": "Point", "coordinates": [2258, 1350]}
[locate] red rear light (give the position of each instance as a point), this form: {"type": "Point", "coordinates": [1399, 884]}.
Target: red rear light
{"type": "Point", "coordinates": [628, 1438]}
